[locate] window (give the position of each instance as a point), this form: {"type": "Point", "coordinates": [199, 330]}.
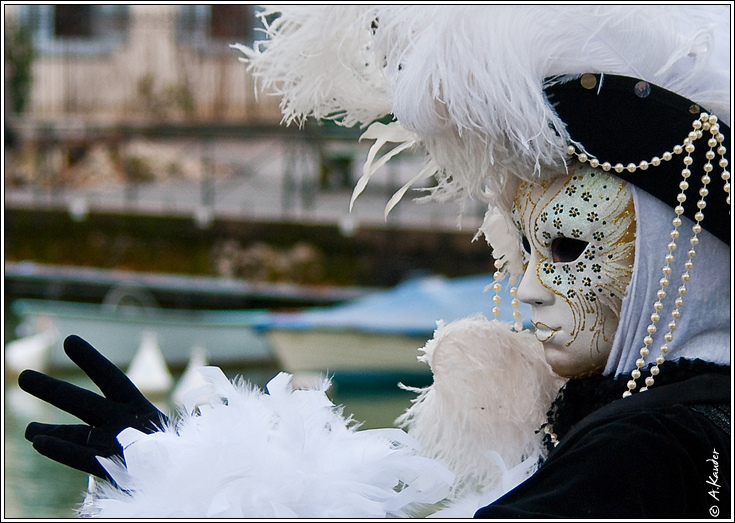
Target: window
{"type": "Point", "coordinates": [77, 28]}
{"type": "Point", "coordinates": [72, 21]}
{"type": "Point", "coordinates": [214, 27]}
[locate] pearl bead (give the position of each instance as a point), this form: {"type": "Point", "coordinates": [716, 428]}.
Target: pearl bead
{"type": "Point", "coordinates": [676, 314]}
{"type": "Point", "coordinates": [619, 167]}
{"type": "Point", "coordinates": [606, 166]}
{"type": "Point", "coordinates": [631, 167]}
{"type": "Point", "coordinates": [496, 300]}
{"type": "Point", "coordinates": [661, 294]}
{"type": "Point", "coordinates": [689, 148]}
{"type": "Point", "coordinates": [678, 149]}
{"type": "Point", "coordinates": [571, 150]}
{"type": "Point", "coordinates": [651, 329]}
{"type": "Point", "coordinates": [497, 287]}
{"type": "Point", "coordinates": [667, 156]}
{"type": "Point", "coordinates": [655, 161]}
{"type": "Point", "coordinates": [672, 325]}
{"type": "Point", "coordinates": [496, 312]}
{"type": "Point", "coordinates": [710, 155]}
{"type": "Point", "coordinates": [644, 351]}
{"type": "Point", "coordinates": [631, 384]}
{"type": "Point", "coordinates": [659, 360]}
{"type": "Point", "coordinates": [682, 290]}
{"type": "Point", "coordinates": [679, 301]}
{"type": "Point", "coordinates": [640, 363]}
{"type": "Point", "coordinates": [595, 163]}
{"type": "Point", "coordinates": [636, 374]}
{"type": "Point", "coordinates": [626, 394]}
{"type": "Point", "coordinates": [649, 381]}
{"type": "Point", "coordinates": [664, 349]}
{"type": "Point", "coordinates": [655, 317]}
{"type": "Point", "coordinates": [669, 337]}
{"type": "Point", "coordinates": [648, 340]}
{"type": "Point", "coordinates": [723, 163]}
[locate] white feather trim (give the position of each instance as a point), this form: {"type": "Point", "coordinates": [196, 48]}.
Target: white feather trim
{"type": "Point", "coordinates": [491, 391]}
{"type": "Point", "coordinates": [247, 454]}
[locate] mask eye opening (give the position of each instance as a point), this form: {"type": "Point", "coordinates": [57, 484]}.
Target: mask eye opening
{"type": "Point", "coordinates": [567, 250]}
{"type": "Point", "coordinates": [526, 244]}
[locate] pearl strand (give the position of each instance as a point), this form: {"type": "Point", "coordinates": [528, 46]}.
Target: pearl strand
{"type": "Point", "coordinates": [515, 303]}
{"type": "Point", "coordinates": [708, 123]}
{"type": "Point", "coordinates": [497, 287]}
{"type": "Point", "coordinates": [619, 167]}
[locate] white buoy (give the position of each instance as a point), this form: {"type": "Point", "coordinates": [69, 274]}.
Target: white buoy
{"type": "Point", "coordinates": [148, 370]}
{"type": "Point", "coordinates": [191, 378]}
{"type": "Point", "coordinates": [31, 352]}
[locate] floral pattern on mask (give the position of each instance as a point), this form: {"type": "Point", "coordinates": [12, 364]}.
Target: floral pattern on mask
{"type": "Point", "coordinates": [583, 227]}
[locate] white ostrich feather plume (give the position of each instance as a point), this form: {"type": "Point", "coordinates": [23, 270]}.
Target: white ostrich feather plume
{"type": "Point", "coordinates": [491, 391]}
{"type": "Point", "coordinates": [249, 454]}
{"type": "Point", "coordinates": [466, 81]}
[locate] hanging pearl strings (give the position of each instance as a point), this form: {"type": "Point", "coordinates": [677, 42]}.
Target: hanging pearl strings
{"type": "Point", "coordinates": [705, 122]}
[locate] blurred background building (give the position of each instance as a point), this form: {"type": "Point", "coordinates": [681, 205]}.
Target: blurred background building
{"type": "Point", "coordinates": [134, 139]}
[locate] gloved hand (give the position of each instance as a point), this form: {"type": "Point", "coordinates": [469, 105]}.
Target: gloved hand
{"type": "Point", "coordinates": [123, 406]}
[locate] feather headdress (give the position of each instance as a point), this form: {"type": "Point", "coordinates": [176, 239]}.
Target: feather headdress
{"type": "Point", "coordinates": [467, 82]}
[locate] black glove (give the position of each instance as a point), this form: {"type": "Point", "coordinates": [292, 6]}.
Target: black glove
{"type": "Point", "coordinates": [123, 406]}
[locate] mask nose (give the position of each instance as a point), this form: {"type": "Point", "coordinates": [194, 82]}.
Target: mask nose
{"type": "Point", "coordinates": [531, 290]}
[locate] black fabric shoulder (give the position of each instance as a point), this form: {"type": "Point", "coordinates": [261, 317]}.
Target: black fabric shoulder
{"type": "Point", "coordinates": [649, 459]}
{"type": "Point", "coordinates": [578, 398]}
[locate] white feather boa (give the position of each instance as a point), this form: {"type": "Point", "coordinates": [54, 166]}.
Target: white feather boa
{"type": "Point", "coordinates": [245, 454]}
{"type": "Point", "coordinates": [242, 452]}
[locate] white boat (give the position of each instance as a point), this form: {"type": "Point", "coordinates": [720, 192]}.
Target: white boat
{"type": "Point", "coordinates": [228, 336]}
{"type": "Point", "coordinates": [381, 333]}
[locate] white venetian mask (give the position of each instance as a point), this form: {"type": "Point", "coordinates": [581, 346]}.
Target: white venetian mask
{"type": "Point", "coordinates": [578, 237]}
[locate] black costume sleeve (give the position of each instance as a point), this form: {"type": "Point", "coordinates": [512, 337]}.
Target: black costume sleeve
{"type": "Point", "coordinates": [669, 462]}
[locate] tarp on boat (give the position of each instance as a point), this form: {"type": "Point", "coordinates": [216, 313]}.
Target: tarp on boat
{"type": "Point", "coordinates": [412, 307]}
